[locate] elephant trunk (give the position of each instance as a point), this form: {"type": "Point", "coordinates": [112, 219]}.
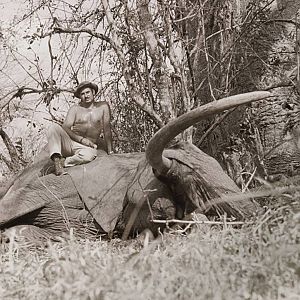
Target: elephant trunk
{"type": "Point", "coordinates": [156, 145]}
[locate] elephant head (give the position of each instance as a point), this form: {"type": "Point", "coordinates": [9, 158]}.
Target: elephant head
{"type": "Point", "coordinates": [189, 189]}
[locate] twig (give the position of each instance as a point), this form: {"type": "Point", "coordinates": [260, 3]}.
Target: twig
{"type": "Point", "coordinates": [198, 222]}
{"type": "Point", "coordinates": [256, 194]}
{"type": "Point", "coordinates": [297, 50]}
{"type": "Point", "coordinates": [283, 21]}
{"type": "Point", "coordinates": [216, 123]}
{"type": "Point", "coordinates": [249, 181]}
{"type": "Point", "coordinates": [205, 47]}
{"type": "Point", "coordinates": [28, 90]}
{"type": "Point", "coordinates": [280, 84]}
{"type": "Point", "coordinates": [60, 29]}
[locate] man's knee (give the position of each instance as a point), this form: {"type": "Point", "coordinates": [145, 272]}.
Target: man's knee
{"type": "Point", "coordinates": [87, 155]}
{"type": "Point", "coordinates": [53, 128]}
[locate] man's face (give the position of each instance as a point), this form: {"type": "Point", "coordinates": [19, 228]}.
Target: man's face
{"type": "Point", "coordinates": [87, 95]}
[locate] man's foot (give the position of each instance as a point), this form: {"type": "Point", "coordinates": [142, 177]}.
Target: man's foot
{"type": "Point", "coordinates": [58, 165]}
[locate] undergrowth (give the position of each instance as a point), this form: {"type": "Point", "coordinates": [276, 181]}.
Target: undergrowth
{"type": "Point", "coordinates": [257, 261]}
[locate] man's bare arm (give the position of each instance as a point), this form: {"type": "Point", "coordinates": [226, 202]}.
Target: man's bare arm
{"type": "Point", "coordinates": [67, 126]}
{"type": "Point", "coordinates": [106, 118]}
{"type": "Point", "coordinates": [69, 122]}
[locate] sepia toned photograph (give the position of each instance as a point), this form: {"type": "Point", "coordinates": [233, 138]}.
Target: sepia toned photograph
{"type": "Point", "coordinates": [150, 149]}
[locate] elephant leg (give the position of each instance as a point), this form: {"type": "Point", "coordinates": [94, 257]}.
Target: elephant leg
{"type": "Point", "coordinates": [27, 234]}
{"type": "Point", "coordinates": [147, 199]}
{"type": "Point", "coordinates": [136, 218]}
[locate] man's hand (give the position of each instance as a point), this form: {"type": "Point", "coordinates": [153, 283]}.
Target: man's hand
{"type": "Point", "coordinates": [88, 143]}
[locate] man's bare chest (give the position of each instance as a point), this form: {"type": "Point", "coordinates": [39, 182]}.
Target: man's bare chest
{"type": "Point", "coordinates": [88, 116]}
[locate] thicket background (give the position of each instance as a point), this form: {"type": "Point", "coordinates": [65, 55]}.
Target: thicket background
{"type": "Point", "coordinates": [153, 60]}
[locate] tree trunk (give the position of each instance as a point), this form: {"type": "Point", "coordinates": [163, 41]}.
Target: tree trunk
{"type": "Point", "coordinates": [15, 160]}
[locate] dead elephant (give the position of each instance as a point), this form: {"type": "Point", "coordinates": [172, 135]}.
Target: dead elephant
{"type": "Point", "coordinates": [123, 193]}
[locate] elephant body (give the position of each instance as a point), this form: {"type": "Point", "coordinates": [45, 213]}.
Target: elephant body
{"type": "Point", "coordinates": [116, 194]}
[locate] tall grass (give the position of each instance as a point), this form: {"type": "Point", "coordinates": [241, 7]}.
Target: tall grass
{"type": "Point", "coordinates": [258, 261]}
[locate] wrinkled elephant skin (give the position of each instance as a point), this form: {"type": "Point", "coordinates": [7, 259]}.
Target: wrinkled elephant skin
{"type": "Point", "coordinates": [117, 193]}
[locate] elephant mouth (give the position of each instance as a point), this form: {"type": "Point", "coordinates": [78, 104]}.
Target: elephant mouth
{"type": "Point", "coordinates": [157, 144]}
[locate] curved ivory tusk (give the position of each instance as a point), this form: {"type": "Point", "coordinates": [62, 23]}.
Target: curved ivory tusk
{"type": "Point", "coordinates": [162, 137]}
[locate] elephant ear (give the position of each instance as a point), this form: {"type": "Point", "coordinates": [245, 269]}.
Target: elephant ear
{"type": "Point", "coordinates": [26, 196]}
{"type": "Point", "coordinates": [205, 182]}
{"type": "Point", "coordinates": [103, 183]}
{"type": "Point", "coordinates": [25, 193]}
{"type": "Point", "coordinates": [208, 167]}
{"type": "Point", "coordinates": [13, 205]}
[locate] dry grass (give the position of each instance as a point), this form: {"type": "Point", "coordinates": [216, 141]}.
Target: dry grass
{"type": "Point", "coordinates": [260, 261]}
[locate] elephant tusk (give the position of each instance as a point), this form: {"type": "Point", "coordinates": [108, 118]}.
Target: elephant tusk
{"type": "Point", "coordinates": [162, 137]}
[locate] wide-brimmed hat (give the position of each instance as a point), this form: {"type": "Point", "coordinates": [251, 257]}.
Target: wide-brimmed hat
{"type": "Point", "coordinates": [83, 85]}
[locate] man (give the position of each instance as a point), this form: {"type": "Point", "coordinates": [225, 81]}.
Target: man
{"type": "Point", "coordinates": [77, 138]}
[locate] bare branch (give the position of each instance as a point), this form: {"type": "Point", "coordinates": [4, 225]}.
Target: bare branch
{"type": "Point", "coordinates": [160, 72]}
{"type": "Point", "coordinates": [9, 164]}
{"type": "Point", "coordinates": [176, 221]}
{"type": "Point", "coordinates": [15, 158]}
{"type": "Point", "coordinates": [51, 61]}
{"type": "Point", "coordinates": [216, 123]}
{"type": "Point", "coordinates": [116, 44]}
{"type": "Point", "coordinates": [279, 85]}
{"type": "Point", "coordinates": [290, 21]}
{"type": "Point", "coordinates": [60, 29]}
{"type": "Point", "coordinates": [22, 91]}
{"type": "Point", "coordinates": [177, 65]}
